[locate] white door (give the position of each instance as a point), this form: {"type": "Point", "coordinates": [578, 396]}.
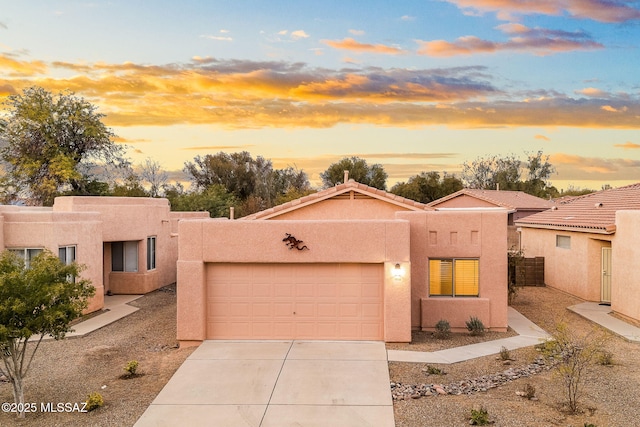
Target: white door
{"type": "Point", "coordinates": [295, 301]}
{"type": "Point", "coordinates": [605, 281]}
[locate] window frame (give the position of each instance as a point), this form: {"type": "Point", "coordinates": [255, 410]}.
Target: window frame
{"type": "Point", "coordinates": [66, 249]}
{"type": "Point", "coordinates": [126, 252]}
{"type": "Point", "coordinates": [26, 255]}
{"type": "Point", "coordinates": [151, 252]}
{"type": "Point", "coordinates": [453, 293]}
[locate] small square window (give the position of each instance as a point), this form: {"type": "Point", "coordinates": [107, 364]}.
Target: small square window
{"type": "Point", "coordinates": [563, 242]}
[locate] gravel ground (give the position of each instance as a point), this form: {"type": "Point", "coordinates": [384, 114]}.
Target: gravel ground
{"type": "Point", "coordinates": [68, 370]}
{"type": "Point", "coordinates": [609, 395]}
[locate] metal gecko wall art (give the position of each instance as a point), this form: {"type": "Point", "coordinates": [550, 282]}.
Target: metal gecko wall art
{"type": "Point", "coordinates": [292, 242]}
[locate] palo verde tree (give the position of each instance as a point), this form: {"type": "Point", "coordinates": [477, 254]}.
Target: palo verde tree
{"type": "Point", "coordinates": [35, 301]}
{"type": "Point", "coordinates": [359, 170]}
{"type": "Point", "coordinates": [52, 143]}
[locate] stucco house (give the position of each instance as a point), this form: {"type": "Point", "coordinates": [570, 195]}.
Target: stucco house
{"type": "Point", "coordinates": [129, 245]}
{"type": "Point", "coordinates": [518, 203]}
{"type": "Point", "coordinates": [349, 262]}
{"type": "Point", "coordinates": [590, 246]}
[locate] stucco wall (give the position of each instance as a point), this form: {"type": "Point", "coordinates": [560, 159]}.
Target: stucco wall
{"type": "Point", "coordinates": [50, 230]}
{"type": "Point", "coordinates": [459, 234]}
{"type": "Point", "coordinates": [87, 222]}
{"type": "Point", "coordinates": [576, 270]}
{"type": "Point", "coordinates": [343, 209]}
{"type": "Point", "coordinates": [625, 295]}
{"type": "Point", "coordinates": [219, 241]}
{"type": "Point", "coordinates": [134, 219]}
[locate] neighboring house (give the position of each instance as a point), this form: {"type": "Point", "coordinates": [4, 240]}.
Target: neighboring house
{"type": "Point", "coordinates": [129, 245]}
{"type": "Point", "coordinates": [590, 246]}
{"type": "Point", "coordinates": [518, 203]}
{"type": "Point", "coordinates": [349, 262]}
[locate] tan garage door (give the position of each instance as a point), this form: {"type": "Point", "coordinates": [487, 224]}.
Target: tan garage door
{"type": "Point", "coordinates": [295, 301]}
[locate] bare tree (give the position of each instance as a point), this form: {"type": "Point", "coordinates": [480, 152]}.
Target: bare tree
{"type": "Point", "coordinates": [151, 173]}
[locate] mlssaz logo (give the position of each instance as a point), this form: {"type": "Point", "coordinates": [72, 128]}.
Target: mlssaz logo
{"type": "Point", "coordinates": [292, 242]}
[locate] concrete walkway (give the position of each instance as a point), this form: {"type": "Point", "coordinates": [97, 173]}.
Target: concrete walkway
{"type": "Point", "coordinates": [528, 334]}
{"type": "Point", "coordinates": [277, 383]}
{"type": "Point", "coordinates": [601, 314]}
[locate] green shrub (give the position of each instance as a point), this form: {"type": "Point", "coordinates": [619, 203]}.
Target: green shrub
{"type": "Point", "coordinates": [131, 368]}
{"type": "Point", "coordinates": [479, 417]}
{"type": "Point", "coordinates": [94, 401]}
{"type": "Point", "coordinates": [443, 330]}
{"type": "Point", "coordinates": [475, 326]}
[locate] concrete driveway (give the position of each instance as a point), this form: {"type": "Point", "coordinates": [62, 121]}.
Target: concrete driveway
{"type": "Point", "coordinates": [277, 383]}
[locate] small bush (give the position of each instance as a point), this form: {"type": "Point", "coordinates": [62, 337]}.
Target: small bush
{"type": "Point", "coordinates": [504, 354]}
{"type": "Point", "coordinates": [605, 358]}
{"type": "Point", "coordinates": [479, 417]}
{"type": "Point", "coordinates": [94, 401]}
{"type": "Point", "coordinates": [131, 368]}
{"type": "Point", "coordinates": [529, 391]}
{"type": "Point", "coordinates": [432, 370]}
{"type": "Point", "coordinates": [443, 330]}
{"type": "Point", "coordinates": [475, 326]}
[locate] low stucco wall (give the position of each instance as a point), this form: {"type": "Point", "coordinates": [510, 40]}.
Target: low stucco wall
{"type": "Point", "coordinates": [217, 241]}
{"type": "Point", "coordinates": [459, 234]}
{"type": "Point", "coordinates": [456, 311]}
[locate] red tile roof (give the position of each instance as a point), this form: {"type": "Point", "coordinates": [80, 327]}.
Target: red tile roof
{"type": "Point", "coordinates": [595, 212]}
{"type": "Point", "coordinates": [339, 189]}
{"type": "Point", "coordinates": [517, 200]}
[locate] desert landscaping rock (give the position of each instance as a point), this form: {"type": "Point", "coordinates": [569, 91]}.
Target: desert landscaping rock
{"type": "Point", "coordinates": [401, 391]}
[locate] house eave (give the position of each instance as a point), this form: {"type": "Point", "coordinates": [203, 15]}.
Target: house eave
{"type": "Point", "coordinates": [609, 229]}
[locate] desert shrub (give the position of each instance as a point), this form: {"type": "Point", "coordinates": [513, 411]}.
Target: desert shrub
{"type": "Point", "coordinates": [605, 358]}
{"type": "Point", "coordinates": [529, 391]}
{"type": "Point", "coordinates": [131, 367]}
{"type": "Point", "coordinates": [432, 370]}
{"type": "Point", "coordinates": [94, 401]}
{"type": "Point", "coordinates": [479, 417]}
{"type": "Point", "coordinates": [505, 354]}
{"type": "Point", "coordinates": [575, 354]}
{"type": "Point", "coordinates": [443, 330]}
{"type": "Point", "coordinates": [475, 326]}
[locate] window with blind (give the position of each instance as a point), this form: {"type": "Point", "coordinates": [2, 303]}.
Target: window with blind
{"type": "Point", "coordinates": [124, 256]}
{"type": "Point", "coordinates": [453, 277]}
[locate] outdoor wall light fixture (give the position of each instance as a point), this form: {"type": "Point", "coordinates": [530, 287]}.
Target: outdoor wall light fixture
{"type": "Point", "coordinates": [397, 272]}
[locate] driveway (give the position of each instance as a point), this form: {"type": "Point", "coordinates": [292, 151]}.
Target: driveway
{"type": "Point", "coordinates": [277, 383]}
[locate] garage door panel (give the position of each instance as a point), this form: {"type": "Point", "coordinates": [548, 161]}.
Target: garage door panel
{"type": "Point", "coordinates": [283, 309]}
{"type": "Point", "coordinates": [295, 301]}
{"type": "Point", "coordinates": [282, 290]}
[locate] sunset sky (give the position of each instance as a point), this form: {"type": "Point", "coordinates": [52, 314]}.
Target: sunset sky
{"type": "Point", "coordinates": [416, 85]}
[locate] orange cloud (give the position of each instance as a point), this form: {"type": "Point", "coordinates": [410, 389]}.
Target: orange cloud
{"type": "Point", "coordinates": [523, 39]}
{"type": "Point", "coordinates": [355, 46]}
{"type": "Point", "coordinates": [576, 167]}
{"type": "Point", "coordinates": [628, 146]}
{"type": "Point", "coordinates": [593, 92]}
{"type": "Point", "coordinates": [239, 94]}
{"type": "Point", "coordinates": [598, 10]}
{"type": "Point", "coordinates": [15, 67]}
{"type": "Point", "coordinates": [542, 137]}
